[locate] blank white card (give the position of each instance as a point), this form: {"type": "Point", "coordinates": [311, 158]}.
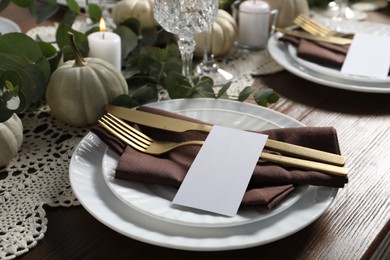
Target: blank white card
{"type": "Point", "coordinates": [368, 56]}
{"type": "Point", "coordinates": [220, 173]}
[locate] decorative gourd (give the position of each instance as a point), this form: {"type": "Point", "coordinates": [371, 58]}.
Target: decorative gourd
{"type": "Point", "coordinates": [79, 89]}
{"type": "Point", "coordinates": [142, 10]}
{"type": "Point", "coordinates": [223, 35]}
{"type": "Point", "coordinates": [288, 10]}
{"type": "Point", "coordinates": [11, 138]}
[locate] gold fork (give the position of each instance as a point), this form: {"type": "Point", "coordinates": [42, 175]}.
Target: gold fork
{"type": "Point", "coordinates": [145, 144]}
{"type": "Point", "coordinates": [315, 28]}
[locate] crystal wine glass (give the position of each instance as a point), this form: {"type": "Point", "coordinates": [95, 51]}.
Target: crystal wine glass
{"type": "Point", "coordinates": [185, 18]}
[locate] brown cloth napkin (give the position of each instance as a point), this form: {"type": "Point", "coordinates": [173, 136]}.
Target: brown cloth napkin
{"type": "Point", "coordinates": [269, 184]}
{"type": "Point", "coordinates": [322, 53]}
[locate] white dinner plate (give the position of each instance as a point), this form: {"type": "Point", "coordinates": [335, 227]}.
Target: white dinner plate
{"type": "Point", "coordinates": [86, 178]}
{"type": "Point", "coordinates": [281, 54]}
{"type": "Point", "coordinates": [155, 200]}
{"type": "Point", "coordinates": [8, 26]}
{"type": "Point", "coordinates": [332, 72]}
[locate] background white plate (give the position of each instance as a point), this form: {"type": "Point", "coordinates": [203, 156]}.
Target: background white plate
{"type": "Point", "coordinates": [280, 53]}
{"type": "Point", "coordinates": [88, 184]}
{"type": "Point", "coordinates": [333, 72]}
{"type": "Point", "coordinates": [7, 26]}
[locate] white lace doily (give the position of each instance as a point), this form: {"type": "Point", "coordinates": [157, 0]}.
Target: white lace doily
{"type": "Point", "coordinates": [38, 175]}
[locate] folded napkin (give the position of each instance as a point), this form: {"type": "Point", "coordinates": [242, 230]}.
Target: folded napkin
{"type": "Point", "coordinates": [322, 53]}
{"type": "Point", "coordinates": [269, 184]}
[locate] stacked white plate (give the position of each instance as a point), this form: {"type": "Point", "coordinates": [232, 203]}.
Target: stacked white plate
{"type": "Point", "coordinates": [286, 56]}
{"type": "Point", "coordinates": [144, 212]}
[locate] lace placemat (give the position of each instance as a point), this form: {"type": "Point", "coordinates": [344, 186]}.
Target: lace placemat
{"type": "Point", "coordinates": [36, 176]}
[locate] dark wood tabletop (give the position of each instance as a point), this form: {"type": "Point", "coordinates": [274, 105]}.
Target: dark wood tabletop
{"type": "Point", "coordinates": [354, 227]}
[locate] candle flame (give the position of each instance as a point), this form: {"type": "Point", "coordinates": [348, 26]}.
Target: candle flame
{"type": "Point", "coordinates": [102, 25]}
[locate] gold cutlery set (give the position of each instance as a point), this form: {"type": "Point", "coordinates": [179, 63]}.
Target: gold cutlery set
{"type": "Point", "coordinates": [316, 32]}
{"type": "Point", "coordinates": [309, 159]}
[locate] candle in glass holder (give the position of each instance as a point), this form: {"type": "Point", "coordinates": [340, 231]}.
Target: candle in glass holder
{"type": "Point", "coordinates": [105, 45]}
{"type": "Point", "coordinates": [253, 21]}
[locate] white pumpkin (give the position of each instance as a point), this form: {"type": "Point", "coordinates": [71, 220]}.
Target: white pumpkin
{"type": "Point", "coordinates": [288, 10]}
{"type": "Point", "coordinates": [11, 138]}
{"type": "Point", "coordinates": [223, 35]}
{"type": "Point", "coordinates": [142, 10]}
{"type": "Point", "coordinates": [79, 89]}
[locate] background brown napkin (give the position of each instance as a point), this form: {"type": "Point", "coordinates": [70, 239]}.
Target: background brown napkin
{"type": "Point", "coordinates": [322, 53]}
{"type": "Point", "coordinates": [269, 184]}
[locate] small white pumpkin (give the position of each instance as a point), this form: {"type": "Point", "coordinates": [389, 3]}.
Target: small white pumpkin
{"type": "Point", "coordinates": [288, 10]}
{"type": "Point", "coordinates": [11, 138]}
{"type": "Point", "coordinates": [79, 89]}
{"type": "Point", "coordinates": [142, 10]}
{"type": "Point", "coordinates": [223, 35]}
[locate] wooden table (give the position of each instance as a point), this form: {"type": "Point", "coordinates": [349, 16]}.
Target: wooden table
{"type": "Point", "coordinates": [354, 227]}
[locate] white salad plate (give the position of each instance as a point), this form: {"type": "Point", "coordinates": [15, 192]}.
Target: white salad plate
{"type": "Point", "coordinates": [285, 56]}
{"type": "Point", "coordinates": [8, 26]}
{"type": "Point", "coordinates": [88, 184]}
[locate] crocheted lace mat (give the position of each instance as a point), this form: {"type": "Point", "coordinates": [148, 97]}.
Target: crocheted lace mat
{"type": "Point", "coordinates": [38, 174]}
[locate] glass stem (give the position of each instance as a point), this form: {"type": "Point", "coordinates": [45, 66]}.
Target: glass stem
{"type": "Point", "coordinates": [187, 47]}
{"type": "Point", "coordinates": [208, 62]}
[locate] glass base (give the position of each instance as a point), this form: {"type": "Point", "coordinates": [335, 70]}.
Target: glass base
{"type": "Point", "coordinates": [215, 72]}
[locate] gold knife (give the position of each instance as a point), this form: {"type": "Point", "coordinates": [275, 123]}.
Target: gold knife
{"type": "Point", "coordinates": [178, 125]}
{"type": "Point", "coordinates": [305, 35]}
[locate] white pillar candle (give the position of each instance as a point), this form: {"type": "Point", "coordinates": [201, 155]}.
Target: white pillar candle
{"type": "Point", "coordinates": [253, 21]}
{"type": "Point", "coordinates": [106, 46]}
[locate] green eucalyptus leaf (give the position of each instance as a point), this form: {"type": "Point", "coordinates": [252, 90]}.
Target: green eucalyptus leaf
{"type": "Point", "coordinates": [245, 93]}
{"type": "Point", "coordinates": [5, 114]}
{"type": "Point", "coordinates": [273, 97]}
{"type": "Point", "coordinates": [173, 51]}
{"type": "Point", "coordinates": [47, 49]}
{"type": "Point", "coordinates": [11, 81]}
{"type": "Point", "coordinates": [164, 38]}
{"type": "Point", "coordinates": [125, 101]}
{"type": "Point", "coordinates": [172, 66]}
{"type": "Point", "coordinates": [177, 85]}
{"type": "Point", "coordinates": [94, 12]}
{"type": "Point", "coordinates": [16, 79]}
{"type": "Point", "coordinates": [23, 3]}
{"type": "Point", "coordinates": [149, 36]}
{"type": "Point", "coordinates": [4, 4]}
{"type": "Point", "coordinates": [203, 91]}
{"type": "Point", "coordinates": [133, 24]}
{"type": "Point", "coordinates": [46, 11]}
{"type": "Point", "coordinates": [73, 6]}
{"type": "Point", "coordinates": [129, 40]}
{"type": "Point", "coordinates": [39, 81]}
{"type": "Point", "coordinates": [69, 18]}
{"type": "Point", "coordinates": [144, 94]}
{"type": "Point", "coordinates": [265, 96]}
{"type": "Point", "coordinates": [158, 54]}
{"type": "Point", "coordinates": [25, 48]}
{"type": "Point", "coordinates": [223, 90]}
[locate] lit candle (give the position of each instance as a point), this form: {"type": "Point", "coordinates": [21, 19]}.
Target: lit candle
{"type": "Point", "coordinates": [105, 45]}
{"type": "Point", "coordinates": [253, 21]}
